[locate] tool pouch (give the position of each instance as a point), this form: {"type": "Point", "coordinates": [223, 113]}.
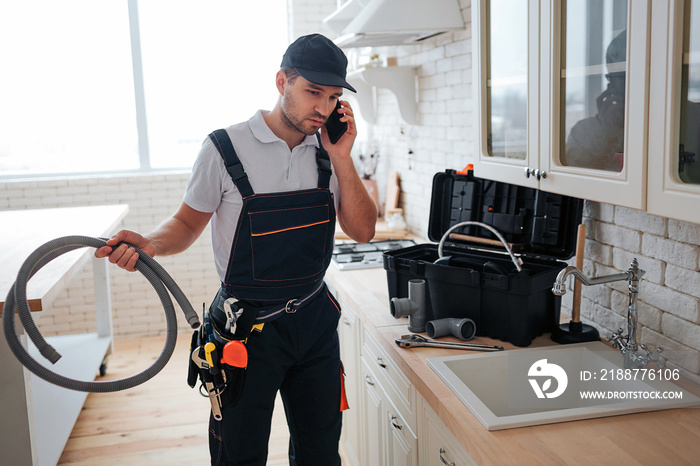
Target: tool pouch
{"type": "Point", "coordinates": [211, 374]}
{"type": "Point", "coordinates": [231, 353]}
{"type": "Point", "coordinates": [193, 370]}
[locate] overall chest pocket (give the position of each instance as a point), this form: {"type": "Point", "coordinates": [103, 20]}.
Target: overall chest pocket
{"type": "Point", "coordinates": [289, 244]}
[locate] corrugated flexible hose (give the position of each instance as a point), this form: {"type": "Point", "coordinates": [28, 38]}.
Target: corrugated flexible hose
{"type": "Point", "coordinates": [17, 298]}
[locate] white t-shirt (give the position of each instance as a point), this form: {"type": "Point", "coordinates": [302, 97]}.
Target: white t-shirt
{"type": "Point", "coordinates": [271, 167]}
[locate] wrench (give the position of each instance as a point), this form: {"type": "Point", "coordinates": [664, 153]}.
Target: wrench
{"type": "Point", "coordinates": [411, 341]}
{"type": "Point", "coordinates": [212, 394]}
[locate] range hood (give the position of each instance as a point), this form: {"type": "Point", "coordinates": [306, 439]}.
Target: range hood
{"type": "Point", "coordinates": [374, 23]}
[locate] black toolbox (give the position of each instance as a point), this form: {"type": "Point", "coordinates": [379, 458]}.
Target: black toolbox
{"type": "Point", "coordinates": [481, 281]}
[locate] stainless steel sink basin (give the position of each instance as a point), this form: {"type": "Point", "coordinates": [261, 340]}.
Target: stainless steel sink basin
{"type": "Point", "coordinates": [535, 386]}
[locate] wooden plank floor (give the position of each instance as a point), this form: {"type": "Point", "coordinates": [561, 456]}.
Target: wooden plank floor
{"type": "Point", "coordinates": [162, 421]}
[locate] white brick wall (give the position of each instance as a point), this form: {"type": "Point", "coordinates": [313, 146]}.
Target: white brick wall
{"type": "Point", "coordinates": [669, 294]}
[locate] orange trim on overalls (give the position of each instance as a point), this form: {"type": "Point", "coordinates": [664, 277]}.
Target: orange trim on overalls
{"type": "Point", "coordinates": [290, 228]}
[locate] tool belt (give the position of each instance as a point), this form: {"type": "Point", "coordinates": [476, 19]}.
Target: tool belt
{"type": "Point", "coordinates": [269, 313]}
{"type": "Point", "coordinates": [218, 355]}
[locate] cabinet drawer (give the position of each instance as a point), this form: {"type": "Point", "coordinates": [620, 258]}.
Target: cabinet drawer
{"type": "Point", "coordinates": [402, 446]}
{"type": "Point", "coordinates": [394, 382]}
{"type": "Point", "coordinates": [439, 446]}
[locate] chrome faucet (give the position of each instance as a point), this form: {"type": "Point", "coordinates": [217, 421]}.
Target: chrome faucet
{"type": "Point", "coordinates": [626, 343]}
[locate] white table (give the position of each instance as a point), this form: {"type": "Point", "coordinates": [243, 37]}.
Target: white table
{"type": "Point", "coordinates": [38, 417]}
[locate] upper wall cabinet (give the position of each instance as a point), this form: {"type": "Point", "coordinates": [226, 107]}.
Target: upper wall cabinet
{"type": "Point", "coordinates": [562, 96]}
{"type": "Point", "coordinates": [674, 116]}
{"type": "Point", "coordinates": [506, 56]}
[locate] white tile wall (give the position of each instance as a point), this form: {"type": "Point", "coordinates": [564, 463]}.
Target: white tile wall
{"type": "Point", "coordinates": [667, 249]}
{"type": "Point", "coordinates": [306, 16]}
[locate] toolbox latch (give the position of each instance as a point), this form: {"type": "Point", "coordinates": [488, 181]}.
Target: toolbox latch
{"type": "Point", "coordinates": [466, 170]}
{"type": "Point", "coordinates": [389, 262]}
{"type": "Point", "coordinates": [416, 267]}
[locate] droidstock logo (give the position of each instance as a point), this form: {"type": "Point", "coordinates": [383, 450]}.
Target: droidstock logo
{"type": "Point", "coordinates": [542, 370]}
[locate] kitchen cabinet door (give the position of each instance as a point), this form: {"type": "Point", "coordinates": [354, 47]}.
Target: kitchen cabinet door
{"type": "Point", "coordinates": [506, 57]}
{"type": "Point", "coordinates": [674, 125]}
{"type": "Point", "coordinates": [594, 99]}
{"type": "Point", "coordinates": [373, 441]}
{"type": "Point", "coordinates": [561, 96]}
{"type": "Point", "coordinates": [402, 444]}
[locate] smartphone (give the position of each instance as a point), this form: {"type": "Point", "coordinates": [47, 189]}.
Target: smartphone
{"type": "Point", "coordinates": [334, 126]}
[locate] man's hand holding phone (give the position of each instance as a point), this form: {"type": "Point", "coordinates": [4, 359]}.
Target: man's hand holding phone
{"type": "Point", "coordinates": [342, 132]}
{"type": "Point", "coordinates": [335, 128]}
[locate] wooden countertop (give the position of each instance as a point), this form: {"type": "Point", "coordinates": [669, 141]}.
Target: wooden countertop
{"type": "Point", "coordinates": [660, 437]}
{"type": "Point", "coordinates": [24, 230]}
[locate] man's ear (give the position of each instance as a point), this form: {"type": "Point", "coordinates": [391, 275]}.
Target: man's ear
{"type": "Point", "coordinates": [281, 81]}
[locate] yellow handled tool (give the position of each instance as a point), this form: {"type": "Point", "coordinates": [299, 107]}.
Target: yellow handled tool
{"type": "Point", "coordinates": [210, 348]}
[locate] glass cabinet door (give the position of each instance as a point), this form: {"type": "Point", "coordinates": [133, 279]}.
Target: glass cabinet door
{"type": "Point", "coordinates": [506, 78]}
{"type": "Point", "coordinates": [595, 83]}
{"type": "Point", "coordinates": [592, 87]}
{"type": "Point", "coordinates": [674, 111]}
{"type": "Point", "coordinates": [506, 64]}
{"type": "Point", "coordinates": [689, 116]}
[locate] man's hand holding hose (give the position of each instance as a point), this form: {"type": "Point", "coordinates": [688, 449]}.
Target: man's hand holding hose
{"type": "Point", "coordinates": [123, 255]}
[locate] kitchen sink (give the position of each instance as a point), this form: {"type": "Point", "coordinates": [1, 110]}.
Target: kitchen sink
{"type": "Point", "coordinates": [534, 386]}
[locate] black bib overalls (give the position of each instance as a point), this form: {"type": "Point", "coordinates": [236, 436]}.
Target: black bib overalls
{"type": "Point", "coordinates": [280, 252]}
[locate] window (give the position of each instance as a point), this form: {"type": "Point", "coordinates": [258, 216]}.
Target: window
{"type": "Point", "coordinates": [112, 85]}
{"type": "Point", "coordinates": [66, 94]}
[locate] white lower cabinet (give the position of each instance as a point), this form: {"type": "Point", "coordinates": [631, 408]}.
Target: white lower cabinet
{"type": "Point", "coordinates": [373, 435]}
{"type": "Point", "coordinates": [388, 423]}
{"type": "Point", "coordinates": [349, 335]}
{"type": "Point", "coordinates": [387, 438]}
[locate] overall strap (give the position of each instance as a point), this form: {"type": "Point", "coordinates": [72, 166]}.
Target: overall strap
{"type": "Point", "coordinates": [323, 161]}
{"type": "Point", "coordinates": [223, 144]}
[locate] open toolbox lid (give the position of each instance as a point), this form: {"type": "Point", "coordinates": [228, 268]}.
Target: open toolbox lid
{"type": "Point", "coordinates": [538, 224]}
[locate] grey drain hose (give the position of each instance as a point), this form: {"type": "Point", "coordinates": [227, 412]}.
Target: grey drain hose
{"type": "Point", "coordinates": [17, 297]}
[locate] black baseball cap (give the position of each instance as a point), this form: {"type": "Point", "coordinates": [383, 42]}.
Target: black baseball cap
{"type": "Point", "coordinates": [319, 60]}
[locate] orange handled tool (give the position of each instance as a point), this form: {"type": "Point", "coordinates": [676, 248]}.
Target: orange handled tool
{"type": "Point", "coordinates": [235, 354]}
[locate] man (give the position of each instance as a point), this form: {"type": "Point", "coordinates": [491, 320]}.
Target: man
{"type": "Point", "coordinates": [273, 213]}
